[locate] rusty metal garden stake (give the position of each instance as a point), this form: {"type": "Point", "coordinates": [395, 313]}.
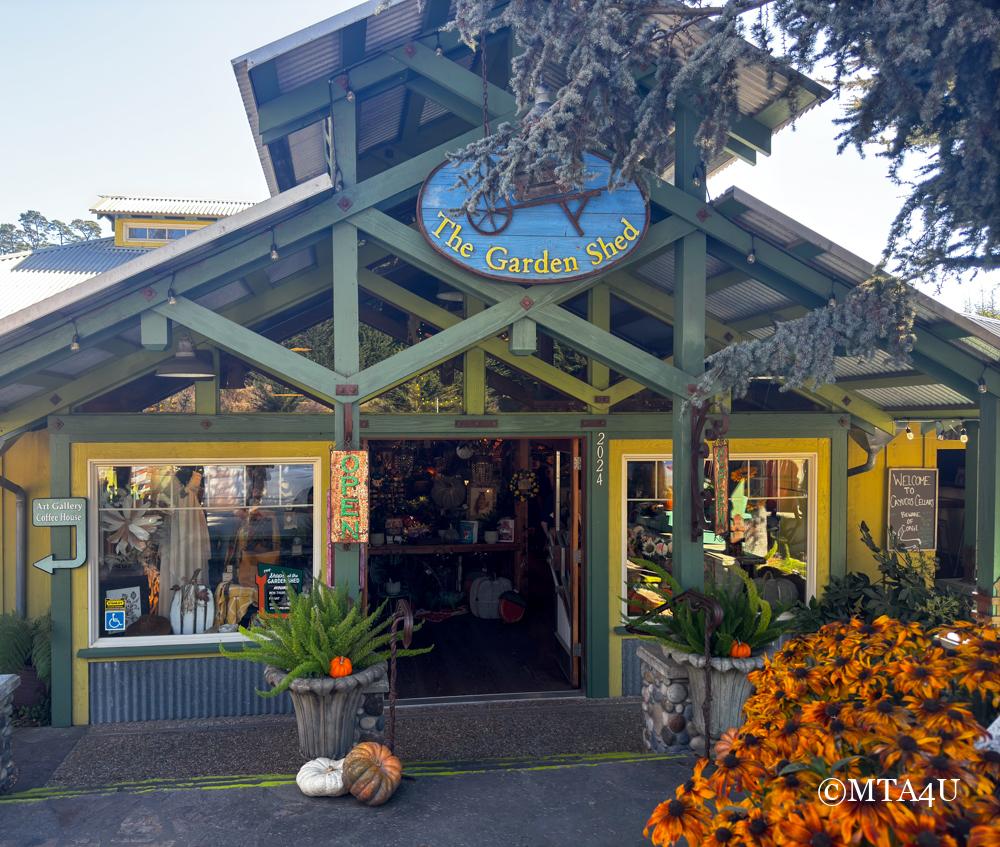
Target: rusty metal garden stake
{"type": "Point", "coordinates": [404, 615]}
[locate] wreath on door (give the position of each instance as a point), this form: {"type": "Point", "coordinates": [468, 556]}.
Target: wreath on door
{"type": "Point", "coordinates": [523, 485]}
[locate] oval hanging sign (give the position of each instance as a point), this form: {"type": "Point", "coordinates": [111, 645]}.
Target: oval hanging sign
{"type": "Point", "coordinates": [543, 234]}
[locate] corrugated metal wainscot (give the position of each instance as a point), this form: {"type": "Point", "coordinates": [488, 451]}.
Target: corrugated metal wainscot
{"type": "Point", "coordinates": [631, 671]}
{"type": "Point", "coordinates": [172, 689]}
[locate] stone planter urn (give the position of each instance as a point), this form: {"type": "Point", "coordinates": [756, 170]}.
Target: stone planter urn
{"type": "Point", "coordinates": [730, 690]}
{"type": "Point", "coordinates": [326, 709]}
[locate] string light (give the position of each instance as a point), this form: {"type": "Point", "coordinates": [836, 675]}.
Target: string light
{"type": "Point", "coordinates": [752, 255]}
{"type": "Point", "coordinates": [438, 49]}
{"type": "Point", "coordinates": [275, 255]}
{"type": "Point", "coordinates": [74, 345]}
{"type": "Point", "coordinates": [350, 96]}
{"type": "Point", "coordinates": [963, 435]}
{"type": "Point", "coordinates": [981, 386]}
{"type": "Point", "coordinates": [171, 298]}
{"type": "Point", "coordinates": [940, 430]}
{"type": "Point", "coordinates": [909, 433]}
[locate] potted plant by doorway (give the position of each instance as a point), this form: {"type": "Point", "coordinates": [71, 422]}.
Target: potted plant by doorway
{"type": "Point", "coordinates": [714, 638]}
{"type": "Point", "coordinates": [325, 652]}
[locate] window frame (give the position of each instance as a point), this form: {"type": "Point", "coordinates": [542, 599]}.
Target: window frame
{"type": "Point", "coordinates": [127, 224]}
{"type": "Point", "coordinates": [812, 460]}
{"type": "Point", "coordinates": [94, 639]}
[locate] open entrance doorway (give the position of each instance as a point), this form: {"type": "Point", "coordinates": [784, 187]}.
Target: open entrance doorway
{"type": "Point", "coordinates": [483, 537]}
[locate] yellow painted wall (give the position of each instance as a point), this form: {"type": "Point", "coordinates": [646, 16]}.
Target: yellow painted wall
{"type": "Point", "coordinates": [866, 493]}
{"type": "Point", "coordinates": [182, 452]}
{"type": "Point", "coordinates": [618, 448]}
{"type": "Point", "coordinates": [25, 464]}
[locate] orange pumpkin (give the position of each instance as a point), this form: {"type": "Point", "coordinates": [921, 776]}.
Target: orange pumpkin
{"type": "Point", "coordinates": [340, 666]}
{"type": "Point", "coordinates": [740, 650]}
{"type": "Point", "coordinates": [372, 772]}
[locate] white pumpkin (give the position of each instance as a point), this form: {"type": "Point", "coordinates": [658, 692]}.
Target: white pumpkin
{"type": "Point", "coordinates": [322, 778]}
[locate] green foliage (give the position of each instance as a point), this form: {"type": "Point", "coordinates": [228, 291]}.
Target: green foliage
{"type": "Point", "coordinates": [746, 616]}
{"type": "Point", "coordinates": [918, 76]}
{"type": "Point", "coordinates": [904, 591]}
{"type": "Point", "coordinates": [33, 230]}
{"type": "Point", "coordinates": [322, 624]}
{"type": "Point", "coordinates": [26, 643]}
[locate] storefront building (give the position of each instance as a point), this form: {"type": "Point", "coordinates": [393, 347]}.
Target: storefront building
{"type": "Point", "coordinates": [514, 384]}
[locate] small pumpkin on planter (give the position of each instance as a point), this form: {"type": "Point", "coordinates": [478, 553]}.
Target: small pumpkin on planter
{"type": "Point", "coordinates": [322, 778]}
{"type": "Point", "coordinates": [372, 772]}
{"type": "Point", "coordinates": [340, 666]}
{"type": "Point", "coordinates": [740, 650]}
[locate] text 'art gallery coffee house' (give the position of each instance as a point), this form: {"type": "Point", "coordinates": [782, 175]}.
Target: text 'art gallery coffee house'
{"type": "Point", "coordinates": [360, 381]}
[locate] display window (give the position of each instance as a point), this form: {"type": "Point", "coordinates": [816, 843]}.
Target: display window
{"type": "Point", "coordinates": [771, 523]}
{"type": "Point", "coordinates": [183, 550]}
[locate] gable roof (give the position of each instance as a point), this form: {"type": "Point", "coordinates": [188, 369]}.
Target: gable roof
{"type": "Point", "coordinates": [320, 53]}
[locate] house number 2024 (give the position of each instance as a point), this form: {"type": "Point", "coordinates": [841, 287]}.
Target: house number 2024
{"type": "Point", "coordinates": [599, 458]}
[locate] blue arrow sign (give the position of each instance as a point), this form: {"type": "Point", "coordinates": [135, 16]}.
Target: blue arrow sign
{"type": "Point", "coordinates": [62, 511]}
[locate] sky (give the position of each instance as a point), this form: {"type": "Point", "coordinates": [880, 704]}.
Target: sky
{"type": "Point", "coordinates": [117, 97]}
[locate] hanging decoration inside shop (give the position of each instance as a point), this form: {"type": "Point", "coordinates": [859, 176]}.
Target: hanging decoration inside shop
{"type": "Point", "coordinates": [720, 485]}
{"type": "Point", "coordinates": [349, 496]}
{"type": "Point", "coordinates": [544, 232]}
{"type": "Point", "coordinates": [62, 511]}
{"type": "Point", "coordinates": [523, 485]}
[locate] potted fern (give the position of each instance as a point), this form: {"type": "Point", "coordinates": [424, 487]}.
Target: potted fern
{"type": "Point", "coordinates": [325, 652]}
{"type": "Point", "coordinates": [741, 625]}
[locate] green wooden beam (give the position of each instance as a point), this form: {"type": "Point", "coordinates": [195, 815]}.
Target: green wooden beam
{"type": "Point", "coordinates": [523, 337]}
{"type": "Point", "coordinates": [597, 632]}
{"type": "Point", "coordinates": [724, 280]}
{"type": "Point", "coordinates": [522, 303]}
{"type": "Point", "coordinates": [263, 353]}
{"type": "Point", "coordinates": [311, 102]}
{"type": "Point", "coordinates": [578, 333]}
{"type": "Point", "coordinates": [425, 89]}
{"type": "Point", "coordinates": [344, 115]}
{"type": "Point", "coordinates": [988, 497]}
{"type": "Point", "coordinates": [885, 380]}
{"type": "Point", "coordinates": [206, 391]}
{"type": "Point", "coordinates": [474, 369]}
{"type": "Point", "coordinates": [690, 257]}
{"type": "Point", "coordinates": [599, 314]}
{"type": "Point", "coordinates": [768, 318]}
{"type": "Point", "coordinates": [740, 150]}
{"type": "Point", "coordinates": [401, 298]}
{"type": "Point", "coordinates": [422, 60]}
{"type": "Point", "coordinates": [753, 133]}
{"type": "Point", "coordinates": [154, 331]}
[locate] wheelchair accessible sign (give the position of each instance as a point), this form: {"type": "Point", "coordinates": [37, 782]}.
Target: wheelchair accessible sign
{"type": "Point", "coordinates": [57, 512]}
{"type": "Point", "coordinates": [544, 232]}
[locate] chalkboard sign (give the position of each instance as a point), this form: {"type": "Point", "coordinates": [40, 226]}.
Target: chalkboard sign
{"type": "Point", "coordinates": [273, 582]}
{"type": "Point", "coordinates": [913, 506]}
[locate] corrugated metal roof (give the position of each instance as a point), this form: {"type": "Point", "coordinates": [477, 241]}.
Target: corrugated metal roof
{"type": "Point", "coordinates": [743, 300]}
{"type": "Point", "coordinates": [123, 204]}
{"type": "Point", "coordinates": [27, 278]}
{"type": "Point", "coordinates": [315, 53]}
{"type": "Point", "coordinates": [914, 397]}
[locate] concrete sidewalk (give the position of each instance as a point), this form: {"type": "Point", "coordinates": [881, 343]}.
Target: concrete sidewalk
{"type": "Point", "coordinates": [601, 800]}
{"type": "Point", "coordinates": [539, 772]}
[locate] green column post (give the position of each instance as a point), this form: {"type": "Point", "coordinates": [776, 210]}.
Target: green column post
{"type": "Point", "coordinates": [689, 354]}
{"type": "Point", "coordinates": [988, 505]}
{"type": "Point", "coordinates": [597, 572]}
{"type": "Point", "coordinates": [62, 587]}
{"type": "Point", "coordinates": [346, 332]}
{"type": "Point", "coordinates": [971, 494]}
{"type": "Point", "coordinates": [599, 314]}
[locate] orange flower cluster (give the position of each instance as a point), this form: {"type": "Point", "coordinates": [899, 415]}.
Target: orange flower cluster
{"type": "Point", "coordinates": [863, 701]}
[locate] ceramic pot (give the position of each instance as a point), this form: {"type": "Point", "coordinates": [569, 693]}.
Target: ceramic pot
{"type": "Point", "coordinates": [730, 688]}
{"type": "Point", "coordinates": [325, 708]}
